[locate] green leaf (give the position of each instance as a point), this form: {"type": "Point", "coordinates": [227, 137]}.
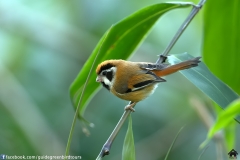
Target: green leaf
{"type": "Point", "coordinates": [221, 49]}
{"type": "Point", "coordinates": [121, 41]}
{"type": "Point", "coordinates": [224, 120]}
{"type": "Point", "coordinates": [209, 84]}
{"type": "Point", "coordinates": [225, 117]}
{"type": "Point", "coordinates": [128, 145]}
{"type": "Point", "coordinates": [230, 134]}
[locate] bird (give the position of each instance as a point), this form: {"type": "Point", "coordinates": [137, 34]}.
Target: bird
{"type": "Point", "coordinates": [135, 81]}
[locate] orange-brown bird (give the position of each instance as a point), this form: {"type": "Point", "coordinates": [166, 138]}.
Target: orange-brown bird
{"type": "Point", "coordinates": [134, 81]}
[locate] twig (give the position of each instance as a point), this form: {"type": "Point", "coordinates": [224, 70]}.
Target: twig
{"type": "Point", "coordinates": [192, 14]}
{"type": "Point", "coordinates": [106, 147]}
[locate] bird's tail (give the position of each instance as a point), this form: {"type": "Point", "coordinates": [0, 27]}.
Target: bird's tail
{"type": "Point", "coordinates": [176, 67]}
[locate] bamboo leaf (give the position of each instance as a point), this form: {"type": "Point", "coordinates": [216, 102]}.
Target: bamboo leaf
{"type": "Point", "coordinates": [221, 51]}
{"type": "Point", "coordinates": [128, 145]}
{"type": "Point", "coordinates": [209, 84]}
{"type": "Point", "coordinates": [225, 118]}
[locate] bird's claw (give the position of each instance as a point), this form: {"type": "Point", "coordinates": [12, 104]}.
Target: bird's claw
{"type": "Point", "coordinates": [129, 107]}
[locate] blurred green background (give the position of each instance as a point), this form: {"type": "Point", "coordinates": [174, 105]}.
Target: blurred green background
{"type": "Point", "coordinates": [44, 44]}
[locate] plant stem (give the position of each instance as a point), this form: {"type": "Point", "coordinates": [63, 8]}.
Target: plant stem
{"type": "Point", "coordinates": [192, 14]}
{"type": "Point", "coordinates": [106, 147]}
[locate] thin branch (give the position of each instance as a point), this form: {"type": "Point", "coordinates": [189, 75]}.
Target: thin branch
{"type": "Point", "coordinates": [106, 147]}
{"type": "Point", "coordinates": [192, 14]}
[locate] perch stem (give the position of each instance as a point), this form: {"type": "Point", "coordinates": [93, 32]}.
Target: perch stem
{"type": "Point", "coordinates": [192, 14]}
{"type": "Point", "coordinates": [106, 147]}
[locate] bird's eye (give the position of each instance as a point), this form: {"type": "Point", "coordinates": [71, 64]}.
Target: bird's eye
{"type": "Point", "coordinates": [104, 73]}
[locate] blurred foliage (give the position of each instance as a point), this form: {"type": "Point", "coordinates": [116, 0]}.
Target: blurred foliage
{"type": "Point", "coordinates": [221, 51]}
{"type": "Point", "coordinates": [44, 45]}
{"type": "Point", "coordinates": [225, 118]}
{"type": "Point", "coordinates": [221, 41]}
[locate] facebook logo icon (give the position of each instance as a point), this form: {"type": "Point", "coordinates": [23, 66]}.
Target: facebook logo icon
{"type": "Point", "coordinates": [2, 156]}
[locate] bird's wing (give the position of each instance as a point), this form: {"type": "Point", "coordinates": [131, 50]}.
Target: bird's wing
{"type": "Point", "coordinates": [141, 81]}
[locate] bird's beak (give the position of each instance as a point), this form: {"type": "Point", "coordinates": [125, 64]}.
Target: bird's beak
{"type": "Point", "coordinates": [99, 79]}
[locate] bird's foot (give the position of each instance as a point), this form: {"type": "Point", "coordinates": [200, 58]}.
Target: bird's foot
{"type": "Point", "coordinates": [130, 107]}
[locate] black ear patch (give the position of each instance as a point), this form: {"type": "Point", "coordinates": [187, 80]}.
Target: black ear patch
{"type": "Point", "coordinates": [109, 75]}
{"type": "Point", "coordinates": [105, 67]}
